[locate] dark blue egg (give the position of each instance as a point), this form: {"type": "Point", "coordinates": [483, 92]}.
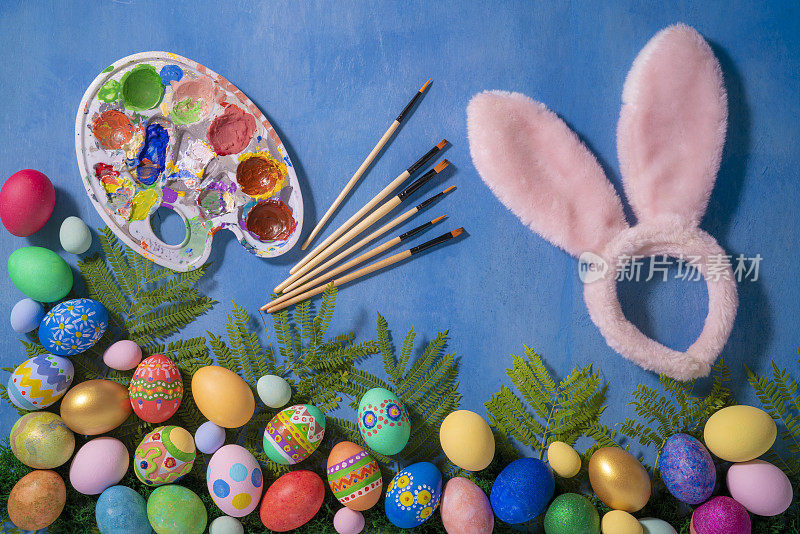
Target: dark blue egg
{"type": "Point", "coordinates": [687, 469]}
{"type": "Point", "coordinates": [73, 326]}
{"type": "Point", "coordinates": [413, 495]}
{"type": "Point", "coordinates": [522, 490]}
{"type": "Point", "coordinates": [121, 510]}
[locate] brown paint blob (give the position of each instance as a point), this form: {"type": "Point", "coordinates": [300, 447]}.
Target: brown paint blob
{"type": "Point", "coordinates": [259, 175]}
{"type": "Point", "coordinates": [270, 220]}
{"type": "Point", "coordinates": [112, 128]}
{"type": "Point", "coordinates": [231, 132]}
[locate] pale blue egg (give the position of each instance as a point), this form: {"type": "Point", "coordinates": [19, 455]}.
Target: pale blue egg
{"type": "Point", "coordinates": [26, 316]}
{"type": "Point", "coordinates": [73, 326]}
{"type": "Point", "coordinates": [651, 525]}
{"type": "Point", "coordinates": [225, 525]}
{"type": "Point", "coordinates": [75, 236]}
{"type": "Point", "coordinates": [121, 510]}
{"type": "Point", "coordinates": [413, 495]}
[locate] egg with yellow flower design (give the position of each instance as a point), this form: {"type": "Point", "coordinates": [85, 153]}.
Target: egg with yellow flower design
{"type": "Point", "coordinates": [413, 495]}
{"type": "Point", "coordinates": [73, 326]}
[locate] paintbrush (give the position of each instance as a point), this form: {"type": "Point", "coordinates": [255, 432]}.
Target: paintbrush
{"type": "Point", "coordinates": [374, 235]}
{"type": "Point", "coordinates": [364, 166]}
{"type": "Point", "coordinates": [388, 206]}
{"type": "Point", "coordinates": [391, 260]}
{"type": "Point", "coordinates": [394, 184]}
{"type": "Point", "coordinates": [383, 247]}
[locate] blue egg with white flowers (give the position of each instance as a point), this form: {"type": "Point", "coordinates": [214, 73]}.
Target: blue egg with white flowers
{"type": "Point", "coordinates": [687, 469]}
{"type": "Point", "coordinates": [121, 510]}
{"type": "Point", "coordinates": [522, 490]}
{"type": "Point", "coordinates": [413, 495]}
{"type": "Point", "coordinates": [73, 326]}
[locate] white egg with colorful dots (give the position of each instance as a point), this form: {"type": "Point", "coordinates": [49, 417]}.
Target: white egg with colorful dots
{"type": "Point", "coordinates": [413, 495]}
{"type": "Point", "coordinates": [234, 480]}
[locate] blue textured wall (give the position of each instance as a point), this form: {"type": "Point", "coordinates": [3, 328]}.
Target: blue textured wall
{"type": "Point", "coordinates": [332, 75]}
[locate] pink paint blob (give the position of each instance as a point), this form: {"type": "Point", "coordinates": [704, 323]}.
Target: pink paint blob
{"type": "Point", "coordinates": [198, 90]}
{"type": "Point", "coordinates": [721, 515]}
{"type": "Point", "coordinates": [27, 200]}
{"type": "Point", "coordinates": [231, 132]}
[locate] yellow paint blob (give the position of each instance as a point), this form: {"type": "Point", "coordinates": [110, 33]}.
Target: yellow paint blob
{"type": "Point", "coordinates": [467, 440]}
{"type": "Point", "coordinates": [182, 439]}
{"type": "Point", "coordinates": [740, 433]}
{"type": "Point", "coordinates": [142, 202]}
{"type": "Point", "coordinates": [619, 522]}
{"type": "Point", "coordinates": [563, 459]}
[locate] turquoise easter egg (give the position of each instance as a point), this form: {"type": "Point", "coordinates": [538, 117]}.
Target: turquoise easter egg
{"type": "Point", "coordinates": [40, 381]}
{"type": "Point", "coordinates": [383, 421]}
{"type": "Point", "coordinates": [73, 326]}
{"type": "Point", "coordinates": [294, 433]}
{"type": "Point", "coordinates": [413, 495]}
{"type": "Point", "coordinates": [40, 273]}
{"type": "Point", "coordinates": [687, 469]}
{"type": "Point", "coordinates": [121, 510]}
{"type": "Point", "coordinates": [173, 509]}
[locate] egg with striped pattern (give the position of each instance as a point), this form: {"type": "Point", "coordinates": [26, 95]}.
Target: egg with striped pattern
{"type": "Point", "coordinates": [40, 381]}
{"type": "Point", "coordinates": [354, 476]}
{"type": "Point", "coordinates": [294, 433]}
{"type": "Point", "coordinates": [156, 389]}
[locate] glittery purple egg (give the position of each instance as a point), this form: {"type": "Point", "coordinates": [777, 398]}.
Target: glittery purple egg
{"type": "Point", "coordinates": [721, 515]}
{"type": "Point", "coordinates": [687, 469]}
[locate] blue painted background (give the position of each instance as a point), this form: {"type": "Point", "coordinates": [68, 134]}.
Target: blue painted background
{"type": "Point", "coordinates": [332, 75]}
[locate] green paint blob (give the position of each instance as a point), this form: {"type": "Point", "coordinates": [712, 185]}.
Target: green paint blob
{"type": "Point", "coordinates": [40, 273]}
{"type": "Point", "coordinates": [109, 92]}
{"type": "Point", "coordinates": [142, 88]}
{"type": "Point", "coordinates": [187, 111]}
{"type": "Point", "coordinates": [108, 69]}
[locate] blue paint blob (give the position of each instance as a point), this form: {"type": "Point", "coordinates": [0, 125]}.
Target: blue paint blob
{"type": "Point", "coordinates": [256, 477]}
{"type": "Point", "coordinates": [522, 490]}
{"type": "Point", "coordinates": [687, 469]}
{"type": "Point", "coordinates": [238, 472]}
{"type": "Point", "coordinates": [153, 156]}
{"type": "Point", "coordinates": [121, 510]}
{"type": "Point", "coordinates": [170, 73]}
{"type": "Point", "coordinates": [221, 488]}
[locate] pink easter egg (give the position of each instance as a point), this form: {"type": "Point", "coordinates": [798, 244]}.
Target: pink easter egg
{"type": "Point", "coordinates": [347, 521]}
{"type": "Point", "coordinates": [27, 200]}
{"type": "Point", "coordinates": [98, 465]}
{"type": "Point", "coordinates": [760, 487]}
{"type": "Point", "coordinates": [720, 515]}
{"type": "Point", "coordinates": [123, 355]}
{"type": "Point", "coordinates": [465, 508]}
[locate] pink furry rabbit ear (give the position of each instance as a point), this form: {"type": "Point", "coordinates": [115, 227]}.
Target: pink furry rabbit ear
{"type": "Point", "coordinates": [541, 171]}
{"type": "Point", "coordinates": [671, 129]}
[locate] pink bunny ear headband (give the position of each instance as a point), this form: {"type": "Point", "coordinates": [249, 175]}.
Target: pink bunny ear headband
{"type": "Point", "coordinates": [670, 136]}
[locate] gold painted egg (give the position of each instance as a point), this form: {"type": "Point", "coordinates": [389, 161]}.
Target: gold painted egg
{"type": "Point", "coordinates": [222, 396]}
{"type": "Point", "coordinates": [95, 407]}
{"type": "Point", "coordinates": [740, 433]}
{"type": "Point", "coordinates": [41, 440]}
{"type": "Point", "coordinates": [37, 500]}
{"type": "Point", "coordinates": [618, 479]}
{"type": "Point", "coordinates": [563, 459]}
{"type": "Point", "coordinates": [467, 440]}
{"type": "Point", "coordinates": [619, 522]}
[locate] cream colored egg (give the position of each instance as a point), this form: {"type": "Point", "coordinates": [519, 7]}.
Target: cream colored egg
{"type": "Point", "coordinates": [619, 522]}
{"type": "Point", "coordinates": [563, 459]}
{"type": "Point", "coordinates": [467, 440]}
{"type": "Point", "coordinates": [740, 433]}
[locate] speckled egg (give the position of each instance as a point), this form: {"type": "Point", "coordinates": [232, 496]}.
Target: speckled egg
{"type": "Point", "coordinates": [720, 515]}
{"type": "Point", "coordinates": [563, 459]}
{"type": "Point", "coordinates": [164, 455]}
{"type": "Point", "coordinates": [73, 326]}
{"type": "Point", "coordinates": [26, 316]}
{"type": "Point", "coordinates": [173, 509]}
{"type": "Point", "coordinates": [465, 508]}
{"type": "Point", "coordinates": [570, 513]}
{"type": "Point", "coordinates": [347, 521]}
{"type": "Point", "coordinates": [760, 487]}
{"type": "Point", "coordinates": [123, 355]}
{"type": "Point", "coordinates": [619, 522]}
{"type": "Point", "coordinates": [74, 235]}
{"type": "Point", "coordinates": [687, 469]}
{"type": "Point", "coordinates": [413, 495]}
{"type": "Point", "coordinates": [234, 480]}
{"type": "Point", "coordinates": [36, 500]}
{"type": "Point", "coordinates": [40, 381]}
{"type": "Point", "coordinates": [40, 273]}
{"type": "Point", "coordinates": [98, 465]}
{"type": "Point", "coordinates": [209, 437]}
{"type": "Point", "coordinates": [222, 396]}
{"type": "Point", "coordinates": [294, 433]}
{"type": "Point", "coordinates": [651, 525]}
{"type": "Point", "coordinates": [121, 510]}
{"type": "Point", "coordinates": [274, 391]}
{"type": "Point", "coordinates": [41, 440]}
{"type": "Point", "coordinates": [740, 433]}
{"type": "Point", "coordinates": [618, 479]}
{"type": "Point", "coordinates": [467, 440]}
{"type": "Point", "coordinates": [522, 490]}
{"type": "Point", "coordinates": [292, 501]}
{"type": "Point", "coordinates": [354, 476]}
{"type": "Point", "coordinates": [383, 421]}
{"type": "Point", "coordinates": [226, 525]}
{"type": "Point", "coordinates": [156, 389]}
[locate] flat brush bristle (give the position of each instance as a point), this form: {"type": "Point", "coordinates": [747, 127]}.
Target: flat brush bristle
{"type": "Point", "coordinates": [421, 89]}
{"type": "Point", "coordinates": [441, 144]}
{"type": "Point", "coordinates": [441, 166]}
{"type": "Point", "coordinates": [457, 232]}
{"type": "Point", "coordinates": [449, 189]}
{"type": "Point", "coordinates": [439, 219]}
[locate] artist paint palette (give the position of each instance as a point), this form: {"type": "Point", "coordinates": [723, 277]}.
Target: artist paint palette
{"type": "Point", "coordinates": [159, 130]}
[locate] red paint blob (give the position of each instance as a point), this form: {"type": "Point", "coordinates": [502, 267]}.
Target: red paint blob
{"type": "Point", "coordinates": [230, 133]}
{"type": "Point", "coordinates": [112, 128]}
{"type": "Point", "coordinates": [292, 501]}
{"type": "Point", "coordinates": [27, 200]}
{"type": "Point", "coordinates": [270, 220]}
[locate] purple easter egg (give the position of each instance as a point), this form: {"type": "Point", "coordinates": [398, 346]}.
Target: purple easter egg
{"type": "Point", "coordinates": [687, 469]}
{"type": "Point", "coordinates": [720, 515]}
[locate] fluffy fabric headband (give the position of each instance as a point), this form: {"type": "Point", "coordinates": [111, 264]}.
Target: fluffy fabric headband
{"type": "Point", "coordinates": [670, 136]}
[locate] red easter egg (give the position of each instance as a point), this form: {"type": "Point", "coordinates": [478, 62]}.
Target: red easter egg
{"type": "Point", "coordinates": [26, 202]}
{"type": "Point", "coordinates": [156, 389]}
{"type": "Point", "coordinates": [292, 501]}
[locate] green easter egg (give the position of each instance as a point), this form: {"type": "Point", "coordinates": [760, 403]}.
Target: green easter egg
{"type": "Point", "coordinates": [383, 421]}
{"type": "Point", "coordinates": [40, 273]}
{"type": "Point", "coordinates": [571, 513]}
{"type": "Point", "coordinates": [174, 509]}
{"type": "Point", "coordinates": [294, 433]}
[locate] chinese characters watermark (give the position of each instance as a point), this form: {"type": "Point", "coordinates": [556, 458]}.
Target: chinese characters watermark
{"type": "Point", "coordinates": [636, 268]}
